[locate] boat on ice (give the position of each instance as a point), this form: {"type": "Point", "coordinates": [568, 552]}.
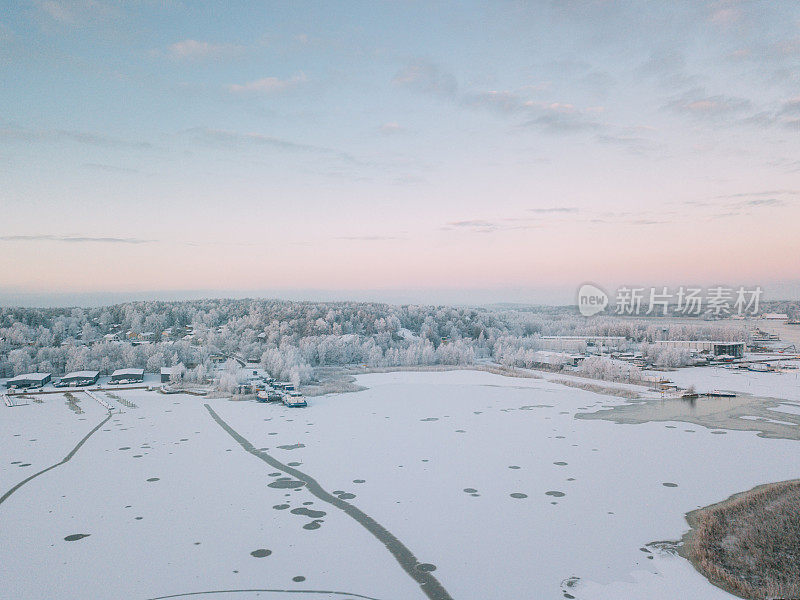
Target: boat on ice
{"type": "Point", "coordinates": [721, 394]}
{"type": "Point", "coordinates": [262, 396]}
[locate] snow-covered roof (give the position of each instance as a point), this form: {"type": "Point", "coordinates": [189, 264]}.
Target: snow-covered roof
{"type": "Point", "coordinates": [122, 372]}
{"type": "Point", "coordinates": [81, 375]}
{"type": "Point", "coordinates": [29, 377]}
{"type": "Point", "coordinates": [169, 370]}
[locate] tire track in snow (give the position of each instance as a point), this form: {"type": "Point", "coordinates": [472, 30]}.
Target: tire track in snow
{"type": "Point", "coordinates": [67, 458]}
{"type": "Point", "coordinates": [405, 558]}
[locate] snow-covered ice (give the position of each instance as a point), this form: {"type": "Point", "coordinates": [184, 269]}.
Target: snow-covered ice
{"type": "Point", "coordinates": [488, 478]}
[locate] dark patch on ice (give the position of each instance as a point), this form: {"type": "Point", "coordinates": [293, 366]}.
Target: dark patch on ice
{"type": "Point", "coordinates": [281, 506]}
{"type": "Point", "coordinates": [276, 474]}
{"type": "Point", "coordinates": [260, 553]}
{"type": "Point", "coordinates": [569, 583]}
{"type": "Point", "coordinates": [513, 467]}
{"type": "Point", "coordinates": [426, 567]}
{"type": "Point", "coordinates": [555, 494]}
{"type": "Point", "coordinates": [307, 512]}
{"type": "Point", "coordinates": [285, 483]}
{"type": "Point", "coordinates": [719, 432]}
{"type": "Point", "coordinates": [470, 490]}
{"type": "Point", "coordinates": [669, 484]}
{"type": "Point", "coordinates": [125, 448]}
{"type": "Point", "coordinates": [560, 463]}
{"type": "Point", "coordinates": [138, 518]}
{"type": "Point", "coordinates": [294, 464]}
{"type": "Point", "coordinates": [154, 479]}
{"type": "Point", "coordinates": [298, 579]}
{"type": "Point", "coordinates": [430, 419]}
{"type": "Point", "coordinates": [518, 495]}
{"type": "Point", "coordinates": [292, 446]}
{"type": "Point", "coordinates": [359, 481]}
{"type": "Point", "coordinates": [24, 465]}
{"type": "Point", "coordinates": [346, 496]}
{"type": "Point", "coordinates": [315, 524]}
{"type": "Point", "coordinates": [76, 536]}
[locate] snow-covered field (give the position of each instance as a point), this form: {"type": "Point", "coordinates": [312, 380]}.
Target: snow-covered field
{"type": "Point", "coordinates": [490, 483]}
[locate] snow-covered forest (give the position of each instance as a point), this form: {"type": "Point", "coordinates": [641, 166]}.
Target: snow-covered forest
{"type": "Point", "coordinates": [290, 339]}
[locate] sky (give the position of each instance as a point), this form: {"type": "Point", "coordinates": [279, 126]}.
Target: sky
{"type": "Point", "coordinates": [501, 151]}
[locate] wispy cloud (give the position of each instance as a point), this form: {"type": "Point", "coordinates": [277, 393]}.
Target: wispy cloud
{"type": "Point", "coordinates": [424, 76]}
{"type": "Point", "coordinates": [548, 117]}
{"type": "Point", "coordinates": [238, 140]}
{"type": "Point", "coordinates": [725, 13]}
{"type": "Point", "coordinates": [557, 121]}
{"type": "Point", "coordinates": [391, 128]}
{"type": "Point", "coordinates": [368, 238]}
{"type": "Point", "coordinates": [109, 168]}
{"type": "Point", "coordinates": [473, 225]}
{"type": "Point", "coordinates": [635, 144]}
{"type": "Point", "coordinates": [491, 226]}
{"type": "Point", "coordinates": [761, 193]}
{"type": "Point", "coordinates": [199, 50]}
{"type": "Point", "coordinates": [554, 210]}
{"type": "Point", "coordinates": [73, 239]}
{"type": "Point", "coordinates": [13, 133]}
{"type": "Point", "coordinates": [698, 103]}
{"type": "Point", "coordinates": [667, 68]}
{"type": "Point", "coordinates": [268, 85]}
{"type": "Point", "coordinates": [762, 202]}
{"type": "Point", "coordinates": [75, 13]}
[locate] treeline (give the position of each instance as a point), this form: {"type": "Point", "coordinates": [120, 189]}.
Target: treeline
{"type": "Point", "coordinates": [292, 338]}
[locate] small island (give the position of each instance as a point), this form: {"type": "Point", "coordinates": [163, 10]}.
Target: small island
{"type": "Point", "coordinates": [749, 544]}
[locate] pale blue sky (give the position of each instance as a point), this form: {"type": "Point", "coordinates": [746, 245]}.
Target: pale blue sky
{"type": "Point", "coordinates": [406, 145]}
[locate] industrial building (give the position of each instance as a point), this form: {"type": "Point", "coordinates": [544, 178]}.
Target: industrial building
{"type": "Point", "coordinates": [558, 359]}
{"type": "Point", "coordinates": [577, 343]}
{"type": "Point", "coordinates": [129, 375]}
{"type": "Point", "coordinates": [28, 380]}
{"type": "Point", "coordinates": [81, 378]}
{"type": "Point", "coordinates": [735, 349]}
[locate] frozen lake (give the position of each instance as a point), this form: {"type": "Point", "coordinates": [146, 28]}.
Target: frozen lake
{"type": "Point", "coordinates": [458, 484]}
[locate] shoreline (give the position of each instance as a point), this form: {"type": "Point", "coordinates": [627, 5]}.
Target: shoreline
{"type": "Point", "coordinates": [704, 547]}
{"type": "Point", "coordinates": [341, 379]}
